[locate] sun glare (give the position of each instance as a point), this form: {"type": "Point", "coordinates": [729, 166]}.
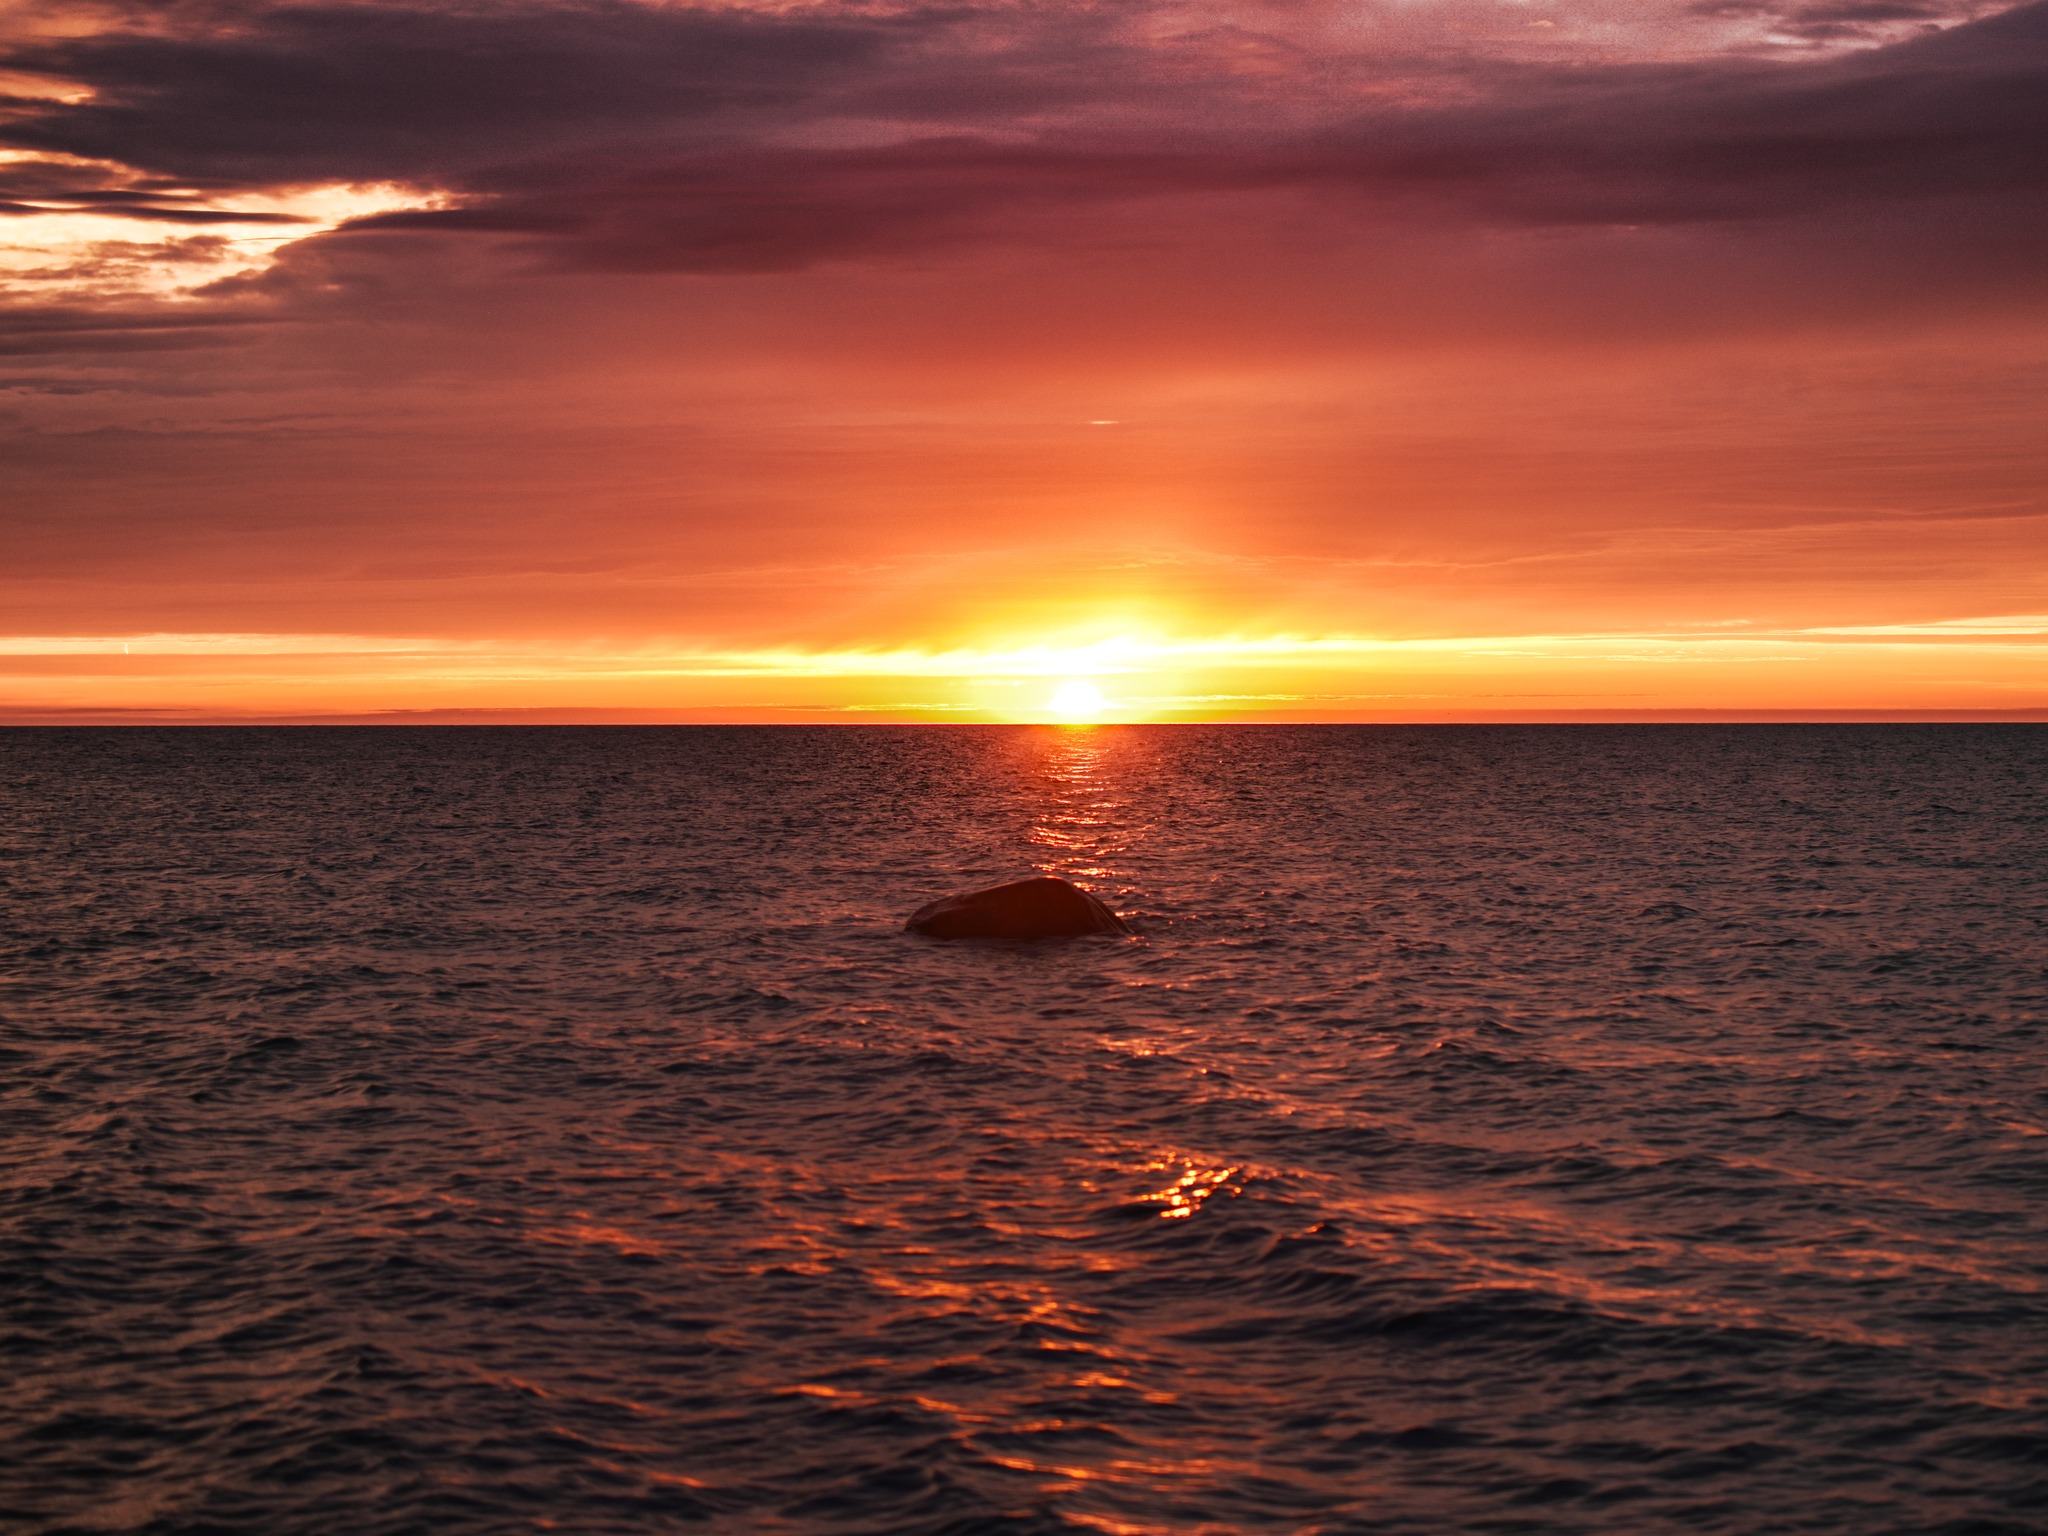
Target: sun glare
{"type": "Point", "coordinates": [1077, 701]}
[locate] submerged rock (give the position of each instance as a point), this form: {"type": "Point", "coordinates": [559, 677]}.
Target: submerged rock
{"type": "Point", "coordinates": [1042, 908]}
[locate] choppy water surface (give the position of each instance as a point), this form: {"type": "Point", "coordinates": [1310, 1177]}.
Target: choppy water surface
{"type": "Point", "coordinates": [1517, 1130]}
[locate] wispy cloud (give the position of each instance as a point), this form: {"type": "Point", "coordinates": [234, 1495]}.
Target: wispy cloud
{"type": "Point", "coordinates": [1119, 655]}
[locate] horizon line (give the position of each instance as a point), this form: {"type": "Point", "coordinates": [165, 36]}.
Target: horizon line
{"type": "Point", "coordinates": [142, 718]}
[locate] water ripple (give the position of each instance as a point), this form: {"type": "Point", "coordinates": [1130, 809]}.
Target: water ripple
{"type": "Point", "coordinates": [1536, 1130]}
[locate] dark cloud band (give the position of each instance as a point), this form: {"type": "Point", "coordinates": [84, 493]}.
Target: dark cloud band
{"type": "Point", "coordinates": [608, 136]}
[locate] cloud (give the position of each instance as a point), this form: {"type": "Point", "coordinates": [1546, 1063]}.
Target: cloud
{"type": "Point", "coordinates": [606, 136]}
{"type": "Point", "coordinates": [33, 329]}
{"type": "Point", "coordinates": [1837, 23]}
{"type": "Point", "coordinates": [1961, 117]}
{"type": "Point", "coordinates": [258, 95]}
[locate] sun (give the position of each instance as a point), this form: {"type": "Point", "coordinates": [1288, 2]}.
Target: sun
{"type": "Point", "coordinates": [1077, 701]}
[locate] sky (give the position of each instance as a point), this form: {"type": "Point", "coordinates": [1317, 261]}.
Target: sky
{"type": "Point", "coordinates": [1380, 360]}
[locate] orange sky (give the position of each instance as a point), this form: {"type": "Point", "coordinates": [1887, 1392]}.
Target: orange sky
{"type": "Point", "coordinates": [1423, 360]}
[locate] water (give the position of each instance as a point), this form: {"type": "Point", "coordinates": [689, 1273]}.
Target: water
{"type": "Point", "coordinates": [1509, 1130]}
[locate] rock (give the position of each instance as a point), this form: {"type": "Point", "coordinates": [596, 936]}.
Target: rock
{"type": "Point", "coordinates": [1041, 908]}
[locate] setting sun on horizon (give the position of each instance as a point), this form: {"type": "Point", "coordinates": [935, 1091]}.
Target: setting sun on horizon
{"type": "Point", "coordinates": [1078, 702]}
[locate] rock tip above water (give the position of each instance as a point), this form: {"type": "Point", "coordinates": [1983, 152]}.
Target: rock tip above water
{"type": "Point", "coordinates": [1044, 907]}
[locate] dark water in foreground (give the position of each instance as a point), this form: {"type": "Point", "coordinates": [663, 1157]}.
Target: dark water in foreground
{"type": "Point", "coordinates": [1514, 1130]}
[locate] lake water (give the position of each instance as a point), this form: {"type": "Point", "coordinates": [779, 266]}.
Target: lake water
{"type": "Point", "coordinates": [1572, 1130]}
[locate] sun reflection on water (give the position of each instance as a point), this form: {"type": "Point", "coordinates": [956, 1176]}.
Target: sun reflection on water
{"type": "Point", "coordinates": [1083, 825]}
{"type": "Point", "coordinates": [1184, 1196]}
